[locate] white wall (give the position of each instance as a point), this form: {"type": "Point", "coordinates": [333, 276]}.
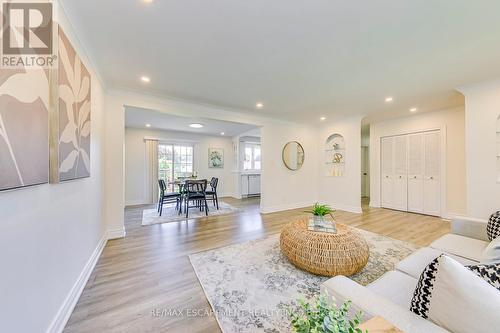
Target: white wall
{"type": "Point", "coordinates": [343, 192]}
{"type": "Point", "coordinates": [452, 121]}
{"type": "Point", "coordinates": [135, 161]}
{"type": "Point", "coordinates": [282, 188]}
{"type": "Point", "coordinates": [482, 108]}
{"type": "Point", "coordinates": [48, 233]}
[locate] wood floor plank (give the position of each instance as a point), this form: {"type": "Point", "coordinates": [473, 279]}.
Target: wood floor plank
{"type": "Point", "coordinates": [149, 269]}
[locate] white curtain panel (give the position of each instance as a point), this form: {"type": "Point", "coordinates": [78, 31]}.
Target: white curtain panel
{"type": "Point", "coordinates": [151, 171]}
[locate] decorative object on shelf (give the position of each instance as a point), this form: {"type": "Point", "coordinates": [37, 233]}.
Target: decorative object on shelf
{"type": "Point", "coordinates": [319, 222]}
{"type": "Point", "coordinates": [325, 316]}
{"type": "Point", "coordinates": [70, 124]}
{"type": "Point", "coordinates": [293, 155]}
{"type": "Point", "coordinates": [24, 137]}
{"type": "Point", "coordinates": [335, 155]}
{"type": "Point", "coordinates": [215, 157]}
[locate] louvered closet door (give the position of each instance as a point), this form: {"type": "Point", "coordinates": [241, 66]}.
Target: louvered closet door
{"type": "Point", "coordinates": [399, 195]}
{"type": "Point", "coordinates": [387, 172]}
{"type": "Point", "coordinates": [416, 173]}
{"type": "Point", "coordinates": [432, 167]}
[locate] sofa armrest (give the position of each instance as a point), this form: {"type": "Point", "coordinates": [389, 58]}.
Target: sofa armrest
{"type": "Point", "coordinates": [469, 227]}
{"type": "Point", "coordinates": [371, 304]}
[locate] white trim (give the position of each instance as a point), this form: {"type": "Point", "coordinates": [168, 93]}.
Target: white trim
{"type": "Point", "coordinates": [347, 208]}
{"type": "Point", "coordinates": [172, 141]}
{"type": "Point", "coordinates": [59, 322]}
{"type": "Point", "coordinates": [116, 233]}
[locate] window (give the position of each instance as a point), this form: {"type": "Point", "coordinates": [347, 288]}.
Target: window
{"type": "Point", "coordinates": [174, 161]}
{"type": "Point", "coordinates": [251, 158]}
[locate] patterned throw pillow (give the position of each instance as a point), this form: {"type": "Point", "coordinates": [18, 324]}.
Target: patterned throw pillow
{"type": "Point", "coordinates": [493, 227]}
{"type": "Point", "coordinates": [488, 272]}
{"type": "Point", "coordinates": [454, 296]}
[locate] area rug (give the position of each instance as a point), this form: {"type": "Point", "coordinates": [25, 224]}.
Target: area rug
{"type": "Point", "coordinates": [170, 214]}
{"type": "Point", "coordinates": [252, 286]}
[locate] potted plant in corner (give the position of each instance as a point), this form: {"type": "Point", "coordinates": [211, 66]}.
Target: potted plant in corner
{"type": "Point", "coordinates": [319, 221]}
{"type": "Point", "coordinates": [325, 317]}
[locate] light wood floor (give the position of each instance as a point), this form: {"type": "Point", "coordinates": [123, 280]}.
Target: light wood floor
{"type": "Point", "coordinates": [149, 269]}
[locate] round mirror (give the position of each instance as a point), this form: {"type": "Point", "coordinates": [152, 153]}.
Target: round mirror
{"type": "Point", "coordinates": [293, 155]}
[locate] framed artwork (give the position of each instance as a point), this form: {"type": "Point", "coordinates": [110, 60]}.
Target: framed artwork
{"type": "Point", "coordinates": [70, 130]}
{"type": "Point", "coordinates": [215, 157]}
{"type": "Point", "coordinates": [24, 133]}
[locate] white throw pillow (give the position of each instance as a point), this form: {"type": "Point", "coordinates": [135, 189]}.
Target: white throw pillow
{"type": "Point", "coordinates": [455, 298]}
{"type": "Point", "coordinates": [491, 254]}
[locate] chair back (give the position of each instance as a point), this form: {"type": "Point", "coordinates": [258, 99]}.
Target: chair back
{"type": "Point", "coordinates": [162, 185]}
{"type": "Point", "coordinates": [213, 183]}
{"type": "Point", "coordinates": [196, 186]}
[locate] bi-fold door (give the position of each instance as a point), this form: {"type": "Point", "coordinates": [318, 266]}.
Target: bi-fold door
{"type": "Point", "coordinates": [410, 173]}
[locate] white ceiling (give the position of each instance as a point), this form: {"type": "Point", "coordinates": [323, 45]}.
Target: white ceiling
{"type": "Point", "coordinates": [138, 118]}
{"type": "Point", "coordinates": [302, 59]}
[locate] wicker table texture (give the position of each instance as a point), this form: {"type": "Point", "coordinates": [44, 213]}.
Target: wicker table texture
{"type": "Point", "coordinates": [344, 253]}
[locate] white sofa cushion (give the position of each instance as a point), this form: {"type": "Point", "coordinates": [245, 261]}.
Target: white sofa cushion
{"type": "Point", "coordinates": [455, 298]}
{"type": "Point", "coordinates": [415, 263]}
{"type": "Point", "coordinates": [461, 246]}
{"type": "Point", "coordinates": [396, 286]}
{"type": "Point", "coordinates": [491, 255]}
{"type": "Point", "coordinates": [363, 299]}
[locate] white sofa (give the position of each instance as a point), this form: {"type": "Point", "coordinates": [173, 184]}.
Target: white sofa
{"type": "Point", "coordinates": [390, 295]}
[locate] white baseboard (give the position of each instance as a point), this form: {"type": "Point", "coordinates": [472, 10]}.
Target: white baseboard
{"type": "Point", "coordinates": [374, 204]}
{"type": "Point", "coordinates": [116, 233]}
{"type": "Point", "coordinates": [279, 208]}
{"type": "Point", "coordinates": [62, 317]}
{"type": "Point", "coordinates": [347, 208]}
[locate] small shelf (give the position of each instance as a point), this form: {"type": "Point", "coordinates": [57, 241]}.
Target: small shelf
{"type": "Point", "coordinates": [335, 149]}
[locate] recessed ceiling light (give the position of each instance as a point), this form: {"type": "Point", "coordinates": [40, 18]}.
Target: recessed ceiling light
{"type": "Point", "coordinates": [322, 118]}
{"type": "Point", "coordinates": [145, 79]}
{"type": "Point", "coordinates": [147, 1]}
{"type": "Point", "coordinates": [413, 110]}
{"type": "Point", "coordinates": [389, 99]}
{"type": "Point", "coordinates": [196, 125]}
{"type": "Point", "coordinates": [148, 125]}
{"type": "Point", "coordinates": [259, 105]}
{"type": "Point", "coordinates": [222, 133]}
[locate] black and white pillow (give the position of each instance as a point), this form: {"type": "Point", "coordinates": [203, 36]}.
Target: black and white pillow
{"type": "Point", "coordinates": [488, 272]}
{"type": "Point", "coordinates": [493, 227]}
{"type": "Point", "coordinates": [423, 292]}
{"type": "Point", "coordinates": [454, 297]}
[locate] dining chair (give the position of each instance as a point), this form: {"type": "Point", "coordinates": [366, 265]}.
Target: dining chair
{"type": "Point", "coordinates": [167, 197]}
{"type": "Point", "coordinates": [195, 193]}
{"type": "Point", "coordinates": [212, 193]}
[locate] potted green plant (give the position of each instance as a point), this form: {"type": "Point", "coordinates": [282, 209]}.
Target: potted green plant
{"type": "Point", "coordinates": [320, 212]}
{"type": "Point", "coordinates": [325, 317]}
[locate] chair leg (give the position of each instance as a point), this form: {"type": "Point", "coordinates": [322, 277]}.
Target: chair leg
{"type": "Point", "coordinates": [161, 207]}
{"type": "Point", "coordinates": [217, 200]}
{"type": "Point", "coordinates": [206, 207]}
{"type": "Point", "coordinates": [187, 208]}
{"type": "Point", "coordinates": [159, 201]}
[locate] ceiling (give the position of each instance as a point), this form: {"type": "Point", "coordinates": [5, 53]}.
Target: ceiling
{"type": "Point", "coordinates": [138, 118]}
{"type": "Point", "coordinates": [302, 59]}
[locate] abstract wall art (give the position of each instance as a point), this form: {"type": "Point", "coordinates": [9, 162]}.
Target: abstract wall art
{"type": "Point", "coordinates": [71, 152]}
{"type": "Point", "coordinates": [24, 137]}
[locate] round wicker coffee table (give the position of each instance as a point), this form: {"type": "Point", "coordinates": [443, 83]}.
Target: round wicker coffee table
{"type": "Point", "coordinates": [321, 253]}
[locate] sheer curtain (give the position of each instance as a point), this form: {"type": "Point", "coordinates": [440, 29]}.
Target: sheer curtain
{"type": "Point", "coordinates": [151, 170]}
